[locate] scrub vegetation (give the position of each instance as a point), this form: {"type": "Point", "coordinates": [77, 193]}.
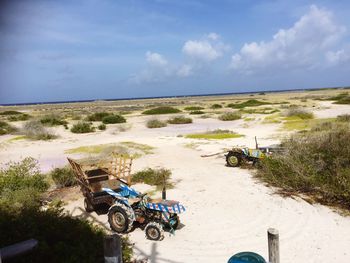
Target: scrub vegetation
{"type": "Point", "coordinates": [155, 123]}
{"type": "Point", "coordinates": [161, 110]}
{"type": "Point", "coordinates": [230, 116]}
{"type": "Point", "coordinates": [215, 135]}
{"type": "Point", "coordinates": [180, 120]}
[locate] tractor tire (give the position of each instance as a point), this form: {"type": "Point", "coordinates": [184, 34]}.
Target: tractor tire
{"type": "Point", "coordinates": [154, 231]}
{"type": "Point", "coordinates": [88, 206]}
{"type": "Point", "coordinates": [233, 159]}
{"type": "Point", "coordinates": [120, 218]}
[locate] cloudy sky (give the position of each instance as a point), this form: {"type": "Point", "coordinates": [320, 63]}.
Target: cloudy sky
{"type": "Point", "coordinates": [96, 49]}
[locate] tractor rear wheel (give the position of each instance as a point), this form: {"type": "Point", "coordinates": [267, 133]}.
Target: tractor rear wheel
{"type": "Point", "coordinates": [120, 218]}
{"type": "Point", "coordinates": [154, 231]}
{"type": "Point", "coordinates": [233, 159]}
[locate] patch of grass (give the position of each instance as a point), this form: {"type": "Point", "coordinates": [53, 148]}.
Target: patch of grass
{"type": "Point", "coordinates": [113, 118]}
{"type": "Point", "coordinates": [275, 118]}
{"type": "Point", "coordinates": [53, 120]}
{"type": "Point", "coordinates": [299, 113]}
{"type": "Point", "coordinates": [197, 112]}
{"type": "Point", "coordinates": [249, 119]}
{"type": "Point", "coordinates": [194, 108]}
{"type": "Point", "coordinates": [17, 138]}
{"type": "Point", "coordinates": [214, 135]}
{"type": "Point", "coordinates": [230, 116]}
{"type": "Point", "coordinates": [6, 128]}
{"type": "Point", "coordinates": [179, 120]}
{"type": "Point", "coordinates": [36, 131]}
{"type": "Point", "coordinates": [161, 110]}
{"type": "Point", "coordinates": [155, 123]}
{"type": "Point", "coordinates": [248, 103]}
{"type": "Point", "coordinates": [63, 177]}
{"type": "Point", "coordinates": [216, 106]}
{"type": "Point", "coordinates": [303, 124]}
{"type": "Point", "coordinates": [315, 163]}
{"type": "Point", "coordinates": [260, 111]}
{"type": "Point", "coordinates": [82, 127]}
{"type": "Point", "coordinates": [157, 177]}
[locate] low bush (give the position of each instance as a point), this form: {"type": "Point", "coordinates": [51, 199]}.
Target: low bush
{"type": "Point", "coordinates": [197, 112]}
{"type": "Point", "coordinates": [344, 118]}
{"type": "Point", "coordinates": [19, 117]}
{"type": "Point", "coordinates": [113, 118]}
{"type": "Point", "coordinates": [21, 183]}
{"type": "Point", "coordinates": [248, 103]}
{"type": "Point", "coordinates": [344, 100]}
{"type": "Point", "coordinates": [299, 113]}
{"type": "Point", "coordinates": [216, 106]}
{"type": "Point", "coordinates": [97, 116]}
{"type": "Point", "coordinates": [52, 120]}
{"type": "Point", "coordinates": [180, 120]}
{"type": "Point", "coordinates": [155, 123]}
{"type": "Point", "coordinates": [193, 108]}
{"type": "Point", "coordinates": [82, 127]}
{"type": "Point", "coordinates": [102, 127]}
{"type": "Point", "coordinates": [35, 130]}
{"type": "Point", "coordinates": [10, 112]}
{"type": "Point", "coordinates": [155, 177]}
{"type": "Point", "coordinates": [63, 177]}
{"type": "Point", "coordinates": [161, 110]}
{"type": "Point", "coordinates": [6, 128]}
{"type": "Point", "coordinates": [315, 163]}
{"type": "Point", "coordinates": [230, 116]}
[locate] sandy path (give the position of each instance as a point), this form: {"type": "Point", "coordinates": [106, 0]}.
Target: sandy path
{"type": "Point", "coordinates": [229, 212]}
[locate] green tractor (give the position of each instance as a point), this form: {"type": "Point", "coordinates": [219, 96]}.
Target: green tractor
{"type": "Point", "coordinates": [236, 156]}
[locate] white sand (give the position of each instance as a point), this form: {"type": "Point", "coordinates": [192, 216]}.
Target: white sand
{"type": "Point", "coordinates": [227, 210]}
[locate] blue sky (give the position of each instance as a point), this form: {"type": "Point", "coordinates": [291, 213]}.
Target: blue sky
{"type": "Point", "coordinates": [96, 49]}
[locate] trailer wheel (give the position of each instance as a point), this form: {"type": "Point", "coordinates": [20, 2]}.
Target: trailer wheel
{"type": "Point", "coordinates": [88, 206]}
{"type": "Point", "coordinates": [120, 218]}
{"type": "Point", "coordinates": [233, 159]}
{"type": "Point", "coordinates": [154, 231]}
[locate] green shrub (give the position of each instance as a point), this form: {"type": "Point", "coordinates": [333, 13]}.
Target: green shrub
{"type": "Point", "coordinates": [52, 120]}
{"type": "Point", "coordinates": [6, 128]}
{"type": "Point", "coordinates": [21, 183]}
{"type": "Point", "coordinates": [194, 108]}
{"type": "Point", "coordinates": [19, 117]}
{"type": "Point", "coordinates": [97, 116]}
{"type": "Point", "coordinates": [155, 123]}
{"type": "Point", "coordinates": [230, 116]}
{"type": "Point", "coordinates": [82, 127]}
{"type": "Point", "coordinates": [299, 113]}
{"type": "Point", "coordinates": [197, 112]}
{"type": "Point", "coordinates": [113, 118]}
{"type": "Point", "coordinates": [63, 177]}
{"type": "Point", "coordinates": [180, 120]}
{"type": "Point", "coordinates": [344, 118]}
{"type": "Point", "coordinates": [344, 100]}
{"type": "Point", "coordinates": [161, 110]}
{"type": "Point", "coordinates": [102, 127]}
{"type": "Point", "coordinates": [315, 163]}
{"type": "Point", "coordinates": [248, 103]}
{"type": "Point", "coordinates": [10, 112]}
{"type": "Point", "coordinates": [155, 177]}
{"type": "Point", "coordinates": [35, 130]}
{"type": "Point", "coordinates": [216, 106]}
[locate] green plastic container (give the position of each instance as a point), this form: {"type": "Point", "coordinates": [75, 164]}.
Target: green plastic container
{"type": "Point", "coordinates": [246, 257]}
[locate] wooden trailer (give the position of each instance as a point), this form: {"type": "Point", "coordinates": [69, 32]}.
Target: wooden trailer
{"type": "Point", "coordinates": [106, 174]}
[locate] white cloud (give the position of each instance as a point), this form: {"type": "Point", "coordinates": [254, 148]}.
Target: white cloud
{"type": "Point", "coordinates": [304, 44]}
{"type": "Point", "coordinates": [185, 71]}
{"type": "Point", "coordinates": [155, 59]}
{"type": "Point", "coordinates": [337, 57]}
{"type": "Point", "coordinates": [213, 36]}
{"type": "Point", "coordinates": [202, 50]}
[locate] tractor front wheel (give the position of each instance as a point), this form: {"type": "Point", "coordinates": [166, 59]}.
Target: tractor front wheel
{"type": "Point", "coordinates": [233, 159]}
{"type": "Point", "coordinates": [154, 231]}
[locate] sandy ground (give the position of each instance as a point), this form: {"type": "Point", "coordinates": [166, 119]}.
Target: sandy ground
{"type": "Point", "coordinates": [228, 211]}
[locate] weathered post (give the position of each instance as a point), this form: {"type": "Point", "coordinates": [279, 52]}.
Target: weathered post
{"type": "Point", "coordinates": [164, 189]}
{"type": "Point", "coordinates": [112, 247]}
{"type": "Point", "coordinates": [273, 242]}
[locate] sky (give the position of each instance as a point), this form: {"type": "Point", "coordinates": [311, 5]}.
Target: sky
{"type": "Point", "coordinates": [104, 49]}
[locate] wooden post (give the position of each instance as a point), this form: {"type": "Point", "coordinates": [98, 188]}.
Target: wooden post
{"type": "Point", "coordinates": [112, 247]}
{"type": "Point", "coordinates": [273, 241]}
